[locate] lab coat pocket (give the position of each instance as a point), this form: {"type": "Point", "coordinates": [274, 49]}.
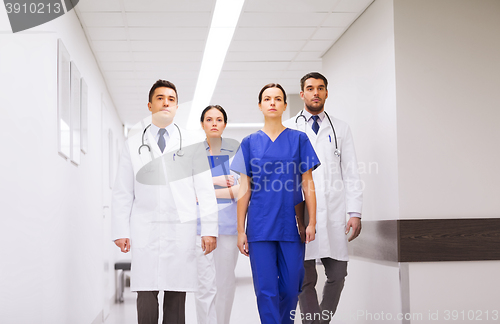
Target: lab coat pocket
{"type": "Point", "coordinates": [141, 228]}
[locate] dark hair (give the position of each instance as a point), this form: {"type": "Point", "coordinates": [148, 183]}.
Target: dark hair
{"type": "Point", "coordinates": [272, 85]}
{"type": "Point", "coordinates": [313, 75]}
{"type": "Point", "coordinates": [162, 84]}
{"type": "Point", "coordinates": [219, 108]}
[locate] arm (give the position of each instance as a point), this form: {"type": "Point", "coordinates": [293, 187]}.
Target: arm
{"type": "Point", "coordinates": [310, 197]}
{"type": "Point", "coordinates": [226, 192]}
{"type": "Point", "coordinates": [203, 184]}
{"type": "Point", "coordinates": [353, 185]}
{"type": "Point", "coordinates": [244, 194]}
{"type": "Point", "coordinates": [122, 201]}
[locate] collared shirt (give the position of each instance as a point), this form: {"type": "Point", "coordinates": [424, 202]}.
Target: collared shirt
{"type": "Point", "coordinates": [155, 132]}
{"type": "Point", "coordinates": [310, 120]}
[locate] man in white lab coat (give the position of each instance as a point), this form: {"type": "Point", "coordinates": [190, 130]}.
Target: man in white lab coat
{"type": "Point", "coordinates": [158, 184]}
{"type": "Point", "coordinates": [338, 193]}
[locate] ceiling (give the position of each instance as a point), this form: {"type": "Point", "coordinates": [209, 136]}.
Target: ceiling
{"type": "Point", "coordinates": [136, 42]}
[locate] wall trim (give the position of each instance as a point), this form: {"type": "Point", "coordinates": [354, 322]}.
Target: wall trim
{"type": "Point", "coordinates": [429, 240]}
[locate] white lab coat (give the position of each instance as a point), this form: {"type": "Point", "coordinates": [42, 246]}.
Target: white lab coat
{"type": "Point", "coordinates": [160, 219]}
{"type": "Point", "coordinates": [337, 185]}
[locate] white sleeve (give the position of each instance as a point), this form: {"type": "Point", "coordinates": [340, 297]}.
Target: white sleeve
{"type": "Point", "coordinates": [205, 193]}
{"type": "Point", "coordinates": [123, 196]}
{"type": "Point", "coordinates": [352, 183]}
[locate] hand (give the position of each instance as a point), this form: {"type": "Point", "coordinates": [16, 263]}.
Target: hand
{"type": "Point", "coordinates": [208, 244]}
{"type": "Point", "coordinates": [355, 223]}
{"type": "Point", "coordinates": [310, 233]}
{"type": "Point", "coordinates": [243, 243]}
{"type": "Point", "coordinates": [224, 181]}
{"type": "Point", "coordinates": [123, 244]}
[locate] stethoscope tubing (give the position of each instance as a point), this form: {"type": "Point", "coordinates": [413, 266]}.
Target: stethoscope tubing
{"type": "Point", "coordinates": [337, 151]}
{"type": "Point", "coordinates": [179, 152]}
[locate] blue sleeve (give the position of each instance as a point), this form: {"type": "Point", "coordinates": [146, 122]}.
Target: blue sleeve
{"type": "Point", "coordinates": [308, 157]}
{"type": "Point", "coordinates": [241, 160]}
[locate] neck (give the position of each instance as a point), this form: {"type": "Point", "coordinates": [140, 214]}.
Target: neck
{"type": "Point", "coordinates": [161, 122]}
{"type": "Point", "coordinates": [273, 125]}
{"type": "Point", "coordinates": [314, 112]}
{"type": "Point", "coordinates": [215, 144]}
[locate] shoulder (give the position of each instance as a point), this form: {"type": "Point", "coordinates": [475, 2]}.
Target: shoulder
{"type": "Point", "coordinates": [337, 122]}
{"type": "Point", "coordinates": [290, 123]}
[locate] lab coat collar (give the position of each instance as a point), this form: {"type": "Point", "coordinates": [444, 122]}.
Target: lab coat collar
{"type": "Point", "coordinates": [308, 115]}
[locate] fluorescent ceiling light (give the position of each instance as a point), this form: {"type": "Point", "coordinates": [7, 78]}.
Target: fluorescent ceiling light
{"type": "Point", "coordinates": [224, 21]}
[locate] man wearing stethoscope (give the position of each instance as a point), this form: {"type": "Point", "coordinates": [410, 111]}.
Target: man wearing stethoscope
{"type": "Point", "coordinates": [154, 208]}
{"type": "Point", "coordinates": [338, 193]}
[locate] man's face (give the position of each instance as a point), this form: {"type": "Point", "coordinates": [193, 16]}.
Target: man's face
{"type": "Point", "coordinates": [164, 103]}
{"type": "Point", "coordinates": [314, 95]}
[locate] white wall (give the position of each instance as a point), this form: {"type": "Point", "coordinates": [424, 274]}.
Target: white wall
{"type": "Point", "coordinates": [448, 76]}
{"type": "Point", "coordinates": [361, 74]}
{"type": "Point", "coordinates": [361, 91]}
{"type": "Point", "coordinates": [447, 80]}
{"type": "Point", "coordinates": [51, 225]}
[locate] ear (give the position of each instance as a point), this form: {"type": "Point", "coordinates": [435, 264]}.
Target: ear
{"type": "Point", "coordinates": [302, 95]}
{"type": "Point", "coordinates": [260, 107]}
{"type": "Point", "coordinates": [285, 107]}
{"type": "Point", "coordinates": [149, 106]}
{"type": "Point", "coordinates": [326, 94]}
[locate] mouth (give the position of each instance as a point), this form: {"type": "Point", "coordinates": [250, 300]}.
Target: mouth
{"type": "Point", "coordinates": [214, 130]}
{"type": "Point", "coordinates": [272, 110]}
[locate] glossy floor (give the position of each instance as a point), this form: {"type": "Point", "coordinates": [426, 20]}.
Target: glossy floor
{"type": "Point", "coordinates": [244, 307]}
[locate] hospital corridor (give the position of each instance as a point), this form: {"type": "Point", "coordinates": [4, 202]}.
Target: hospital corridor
{"type": "Point", "coordinates": [148, 145]}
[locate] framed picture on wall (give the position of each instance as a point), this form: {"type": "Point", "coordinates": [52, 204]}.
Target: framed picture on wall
{"type": "Point", "coordinates": [75, 113]}
{"type": "Point", "coordinates": [63, 100]}
{"type": "Point", "coordinates": [84, 116]}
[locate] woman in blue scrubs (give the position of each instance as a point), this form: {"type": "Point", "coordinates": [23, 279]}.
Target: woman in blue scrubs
{"type": "Point", "coordinates": [275, 165]}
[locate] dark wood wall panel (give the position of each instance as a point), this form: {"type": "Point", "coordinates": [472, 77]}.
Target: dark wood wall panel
{"type": "Point", "coordinates": [421, 240]}
{"type": "Point", "coordinates": [449, 239]}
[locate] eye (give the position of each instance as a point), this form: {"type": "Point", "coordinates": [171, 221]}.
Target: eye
{"type": "Point", "coordinates": [266, 99]}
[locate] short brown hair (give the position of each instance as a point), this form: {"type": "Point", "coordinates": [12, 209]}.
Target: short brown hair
{"type": "Point", "coordinates": [162, 84]}
{"type": "Point", "coordinates": [313, 75]}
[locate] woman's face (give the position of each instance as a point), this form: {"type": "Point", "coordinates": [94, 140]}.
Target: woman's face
{"type": "Point", "coordinates": [213, 123]}
{"type": "Point", "coordinates": [273, 103]}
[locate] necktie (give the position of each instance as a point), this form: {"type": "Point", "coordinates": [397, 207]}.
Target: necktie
{"type": "Point", "coordinates": [161, 140]}
{"type": "Point", "coordinates": [315, 125]}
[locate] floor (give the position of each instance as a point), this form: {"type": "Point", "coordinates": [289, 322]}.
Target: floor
{"type": "Point", "coordinates": [244, 307]}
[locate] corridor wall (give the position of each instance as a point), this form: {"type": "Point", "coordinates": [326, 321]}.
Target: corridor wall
{"type": "Point", "coordinates": [53, 269]}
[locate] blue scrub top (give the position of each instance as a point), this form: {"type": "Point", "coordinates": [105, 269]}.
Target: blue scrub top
{"type": "Point", "coordinates": [275, 169]}
{"type": "Point", "coordinates": [219, 165]}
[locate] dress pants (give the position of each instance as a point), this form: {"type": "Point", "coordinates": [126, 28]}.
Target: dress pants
{"type": "Point", "coordinates": [173, 307]}
{"type": "Point", "coordinates": [216, 281]}
{"type": "Point", "coordinates": [277, 271]}
{"type": "Point", "coordinates": [335, 271]}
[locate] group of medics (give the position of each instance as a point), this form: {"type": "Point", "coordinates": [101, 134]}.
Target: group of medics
{"type": "Point", "coordinates": [174, 206]}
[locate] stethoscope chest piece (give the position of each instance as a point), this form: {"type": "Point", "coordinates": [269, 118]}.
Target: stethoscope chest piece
{"type": "Point", "coordinates": [337, 153]}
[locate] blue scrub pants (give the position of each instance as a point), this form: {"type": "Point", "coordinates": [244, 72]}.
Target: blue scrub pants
{"type": "Point", "coordinates": [278, 272]}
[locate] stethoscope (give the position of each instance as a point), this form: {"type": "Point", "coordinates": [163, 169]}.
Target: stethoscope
{"type": "Point", "coordinates": [337, 151]}
{"type": "Point", "coordinates": [179, 152]}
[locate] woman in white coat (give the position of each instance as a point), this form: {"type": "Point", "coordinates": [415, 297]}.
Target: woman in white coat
{"type": "Point", "coordinates": [216, 277]}
{"type": "Point", "coordinates": [154, 209]}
